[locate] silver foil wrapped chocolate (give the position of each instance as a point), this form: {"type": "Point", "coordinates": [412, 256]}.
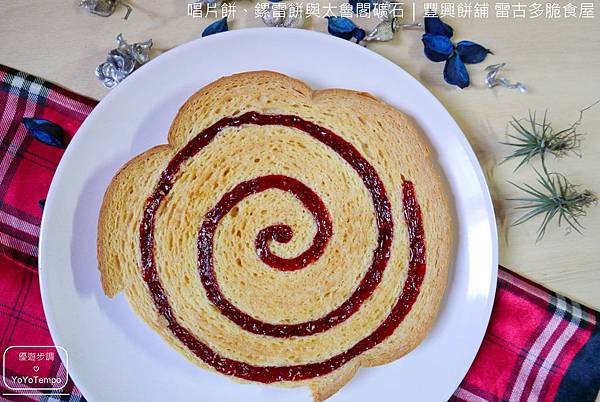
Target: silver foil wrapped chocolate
{"type": "Point", "coordinates": [215, 3]}
{"type": "Point", "coordinates": [283, 15]}
{"type": "Point", "coordinates": [384, 31]}
{"type": "Point", "coordinates": [122, 61]}
{"type": "Point", "coordinates": [390, 22]}
{"type": "Point", "coordinates": [104, 8]}
{"type": "Point", "coordinates": [493, 80]}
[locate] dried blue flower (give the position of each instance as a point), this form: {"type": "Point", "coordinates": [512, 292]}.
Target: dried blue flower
{"type": "Point", "coordinates": [45, 131]}
{"type": "Point", "coordinates": [437, 47]}
{"type": "Point", "coordinates": [343, 28]}
{"type": "Point", "coordinates": [42, 204]}
{"type": "Point", "coordinates": [455, 72]}
{"type": "Point", "coordinates": [216, 27]}
{"type": "Point", "coordinates": [471, 52]}
{"type": "Point", "coordinates": [365, 5]}
{"type": "Point", "coordinates": [359, 34]}
{"type": "Point", "coordinates": [435, 26]}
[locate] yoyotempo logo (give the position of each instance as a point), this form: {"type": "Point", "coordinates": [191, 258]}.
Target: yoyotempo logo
{"type": "Point", "coordinates": [35, 368]}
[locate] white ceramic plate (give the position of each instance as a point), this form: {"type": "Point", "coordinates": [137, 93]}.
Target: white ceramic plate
{"type": "Point", "coordinates": [114, 356]}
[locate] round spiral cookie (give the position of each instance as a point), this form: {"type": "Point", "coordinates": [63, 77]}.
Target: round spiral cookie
{"type": "Point", "coordinates": [284, 235]}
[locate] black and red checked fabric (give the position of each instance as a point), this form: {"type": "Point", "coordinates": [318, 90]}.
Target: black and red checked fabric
{"type": "Point", "coordinates": [539, 346]}
{"type": "Point", "coordinates": [26, 170]}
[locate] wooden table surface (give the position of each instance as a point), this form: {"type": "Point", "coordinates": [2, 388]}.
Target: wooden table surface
{"type": "Point", "coordinates": [559, 60]}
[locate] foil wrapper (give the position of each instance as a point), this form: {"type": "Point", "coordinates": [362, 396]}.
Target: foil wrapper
{"type": "Point", "coordinates": [211, 3]}
{"type": "Point", "coordinates": [384, 31]}
{"type": "Point", "coordinates": [493, 80]}
{"type": "Point", "coordinates": [104, 8]}
{"type": "Point", "coordinates": [390, 23]}
{"type": "Point", "coordinates": [283, 15]}
{"type": "Point", "coordinates": [384, 9]}
{"type": "Point", "coordinates": [122, 61]}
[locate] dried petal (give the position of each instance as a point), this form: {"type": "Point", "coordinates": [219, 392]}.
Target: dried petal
{"type": "Point", "coordinates": [344, 28]}
{"type": "Point", "coordinates": [437, 47]}
{"type": "Point", "coordinates": [435, 26]}
{"type": "Point", "coordinates": [216, 27]}
{"type": "Point", "coordinates": [471, 52]}
{"type": "Point", "coordinates": [455, 72]}
{"type": "Point", "coordinates": [359, 34]}
{"type": "Point", "coordinates": [341, 27]}
{"type": "Point", "coordinates": [45, 131]}
{"type": "Point", "coordinates": [365, 5]}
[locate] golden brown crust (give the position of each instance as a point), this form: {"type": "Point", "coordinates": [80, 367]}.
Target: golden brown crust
{"type": "Point", "coordinates": [118, 252]}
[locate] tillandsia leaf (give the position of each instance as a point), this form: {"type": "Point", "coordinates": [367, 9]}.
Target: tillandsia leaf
{"type": "Point", "coordinates": [45, 131]}
{"type": "Point", "coordinates": [435, 26]}
{"type": "Point", "coordinates": [455, 72]}
{"type": "Point", "coordinates": [437, 47]}
{"type": "Point", "coordinates": [532, 137]}
{"type": "Point", "coordinates": [216, 27]}
{"type": "Point", "coordinates": [365, 5]}
{"type": "Point", "coordinates": [344, 28]}
{"type": "Point", "coordinates": [554, 197]}
{"type": "Point", "coordinates": [471, 52]}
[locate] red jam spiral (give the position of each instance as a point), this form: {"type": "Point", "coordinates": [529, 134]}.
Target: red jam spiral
{"type": "Point", "coordinates": [283, 233]}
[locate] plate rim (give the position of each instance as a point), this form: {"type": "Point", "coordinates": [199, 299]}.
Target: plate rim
{"type": "Point", "coordinates": [97, 110]}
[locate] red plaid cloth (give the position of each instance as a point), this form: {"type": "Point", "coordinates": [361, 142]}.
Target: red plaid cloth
{"type": "Point", "coordinates": [26, 169]}
{"type": "Point", "coordinates": [539, 346]}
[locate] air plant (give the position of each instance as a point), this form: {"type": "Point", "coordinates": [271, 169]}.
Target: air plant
{"type": "Point", "coordinates": [538, 138]}
{"type": "Point", "coordinates": [534, 138]}
{"type": "Point", "coordinates": [556, 197]}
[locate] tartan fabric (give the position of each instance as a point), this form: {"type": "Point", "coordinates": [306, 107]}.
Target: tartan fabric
{"type": "Point", "coordinates": [539, 346]}
{"type": "Point", "coordinates": [26, 169]}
